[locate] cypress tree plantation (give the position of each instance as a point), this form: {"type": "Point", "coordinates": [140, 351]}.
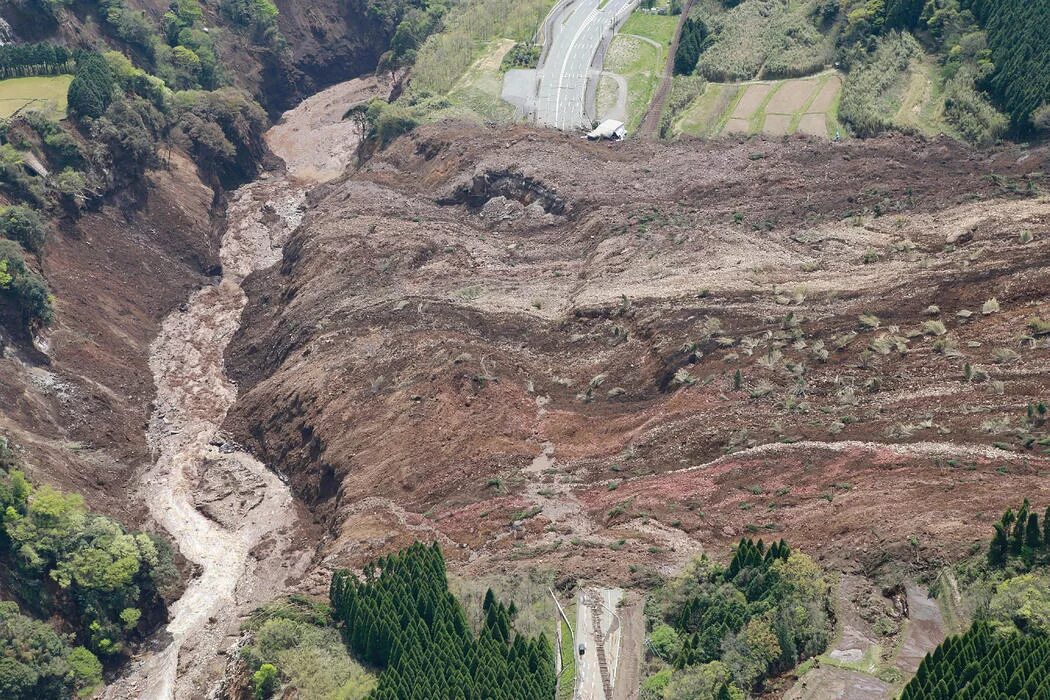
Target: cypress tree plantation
{"type": "Point", "coordinates": [402, 618]}
{"type": "Point", "coordinates": [1020, 536]}
{"type": "Point", "coordinates": [1019, 40]}
{"type": "Point", "coordinates": [984, 664]}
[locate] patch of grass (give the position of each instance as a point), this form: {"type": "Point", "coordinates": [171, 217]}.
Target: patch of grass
{"type": "Point", "coordinates": [567, 678]}
{"type": "Point", "coordinates": [642, 65]}
{"type": "Point", "coordinates": [45, 94]}
{"type": "Point", "coordinates": [467, 28]}
{"type": "Point", "coordinates": [659, 28]}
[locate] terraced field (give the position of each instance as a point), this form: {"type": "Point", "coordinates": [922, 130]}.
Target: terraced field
{"type": "Point", "coordinates": [775, 108]}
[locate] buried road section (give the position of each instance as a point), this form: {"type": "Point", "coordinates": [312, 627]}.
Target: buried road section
{"type": "Point", "coordinates": [599, 630]}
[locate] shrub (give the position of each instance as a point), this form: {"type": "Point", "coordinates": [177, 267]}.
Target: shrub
{"type": "Point", "coordinates": [25, 225]}
{"type": "Point", "coordinates": [524, 54]}
{"type": "Point", "coordinates": [37, 662]}
{"type": "Point", "coordinates": [63, 151]}
{"type": "Point", "coordinates": [971, 113]}
{"type": "Point", "coordinates": [265, 681]}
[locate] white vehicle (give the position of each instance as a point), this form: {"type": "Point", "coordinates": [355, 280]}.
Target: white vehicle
{"type": "Point", "coordinates": [608, 129]}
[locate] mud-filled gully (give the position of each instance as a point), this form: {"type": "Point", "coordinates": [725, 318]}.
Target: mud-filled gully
{"type": "Point", "coordinates": [220, 504]}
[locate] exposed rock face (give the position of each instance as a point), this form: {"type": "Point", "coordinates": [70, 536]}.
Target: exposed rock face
{"type": "Point", "coordinates": [331, 40]}
{"type": "Point", "coordinates": [487, 326]}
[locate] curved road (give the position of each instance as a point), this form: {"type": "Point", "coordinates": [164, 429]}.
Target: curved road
{"type": "Point", "coordinates": [576, 33]}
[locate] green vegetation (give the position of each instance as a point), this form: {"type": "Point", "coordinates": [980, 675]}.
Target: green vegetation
{"type": "Point", "coordinates": [25, 287]}
{"type": "Point", "coordinates": [691, 43]}
{"type": "Point", "coordinates": [37, 662]}
{"type": "Point", "coordinates": [444, 57]}
{"type": "Point", "coordinates": [984, 663]}
{"type": "Point", "coordinates": [294, 647]}
{"type": "Point", "coordinates": [523, 54]}
{"type": "Point", "coordinates": [408, 25]}
{"type": "Point", "coordinates": [567, 678]}
{"type": "Point", "coordinates": [867, 105]}
{"type": "Point", "coordinates": [1020, 53]}
{"type": "Point", "coordinates": [684, 90]}
{"type": "Point", "coordinates": [25, 225]}
{"type": "Point", "coordinates": [46, 94]}
{"type": "Point", "coordinates": [401, 618]}
{"type": "Point", "coordinates": [79, 570]}
{"type": "Point", "coordinates": [725, 630]}
{"type": "Point", "coordinates": [124, 114]}
{"type": "Point", "coordinates": [762, 38]}
{"type": "Point", "coordinates": [925, 65]}
{"type": "Point", "coordinates": [658, 28]}
{"type": "Point", "coordinates": [642, 65]}
{"type": "Point", "coordinates": [64, 560]}
{"type": "Point", "coordinates": [1020, 537]}
{"type": "Point", "coordinates": [24, 60]}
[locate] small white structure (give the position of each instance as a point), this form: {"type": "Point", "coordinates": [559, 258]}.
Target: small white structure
{"type": "Point", "coordinates": [608, 129]}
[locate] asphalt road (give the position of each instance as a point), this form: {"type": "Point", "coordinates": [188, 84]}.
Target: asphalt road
{"type": "Point", "coordinates": [589, 682]}
{"type": "Point", "coordinates": [577, 32]}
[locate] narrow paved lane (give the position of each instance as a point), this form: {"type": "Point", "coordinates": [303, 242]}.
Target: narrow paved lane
{"type": "Point", "coordinates": [598, 629]}
{"type": "Point", "coordinates": [576, 34]}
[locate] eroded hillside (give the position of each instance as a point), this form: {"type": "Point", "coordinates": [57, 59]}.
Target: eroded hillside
{"type": "Point", "coordinates": [603, 357]}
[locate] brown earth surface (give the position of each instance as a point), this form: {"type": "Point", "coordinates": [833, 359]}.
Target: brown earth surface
{"type": "Point", "coordinates": [524, 345]}
{"type": "Point", "coordinates": [77, 412]}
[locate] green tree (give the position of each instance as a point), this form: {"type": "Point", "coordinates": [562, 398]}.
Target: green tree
{"type": "Point", "coordinates": [91, 90]}
{"type": "Point", "coordinates": [999, 546]}
{"type": "Point", "coordinates": [25, 225]}
{"type": "Point", "coordinates": [704, 682]}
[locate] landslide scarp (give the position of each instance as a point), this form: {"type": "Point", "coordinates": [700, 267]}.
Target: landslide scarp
{"type": "Point", "coordinates": [437, 353]}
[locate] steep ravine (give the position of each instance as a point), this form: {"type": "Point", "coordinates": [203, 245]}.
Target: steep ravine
{"type": "Point", "coordinates": [227, 512]}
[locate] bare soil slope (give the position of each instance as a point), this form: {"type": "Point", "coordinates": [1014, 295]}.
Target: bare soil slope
{"type": "Point", "coordinates": [525, 345]}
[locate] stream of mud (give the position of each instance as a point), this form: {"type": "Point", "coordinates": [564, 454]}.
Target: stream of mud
{"type": "Point", "coordinates": [227, 512]}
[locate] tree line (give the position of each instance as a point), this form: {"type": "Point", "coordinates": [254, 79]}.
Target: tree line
{"type": "Point", "coordinates": [22, 60]}
{"type": "Point", "coordinates": [691, 43]}
{"type": "Point", "coordinates": [1018, 35]}
{"type": "Point", "coordinates": [402, 618]}
{"type": "Point", "coordinates": [64, 563]}
{"type": "Point", "coordinates": [1020, 535]}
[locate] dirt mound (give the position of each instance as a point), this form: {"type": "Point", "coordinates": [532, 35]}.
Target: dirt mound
{"type": "Point", "coordinates": [682, 302]}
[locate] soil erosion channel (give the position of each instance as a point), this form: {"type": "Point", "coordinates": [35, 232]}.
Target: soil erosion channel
{"type": "Point", "coordinates": [228, 513]}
